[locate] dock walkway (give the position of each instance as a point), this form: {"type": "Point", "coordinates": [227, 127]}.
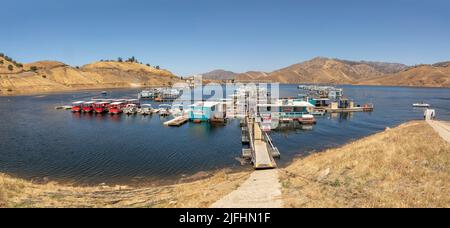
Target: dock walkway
{"type": "Point", "coordinates": [261, 149]}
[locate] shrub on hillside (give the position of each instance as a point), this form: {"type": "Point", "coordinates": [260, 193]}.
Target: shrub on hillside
{"type": "Point", "coordinates": [10, 67]}
{"type": "Point", "coordinates": [33, 68]}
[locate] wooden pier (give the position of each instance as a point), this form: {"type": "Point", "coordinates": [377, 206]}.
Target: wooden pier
{"type": "Point", "coordinates": [261, 151]}
{"type": "Point", "coordinates": [176, 122]}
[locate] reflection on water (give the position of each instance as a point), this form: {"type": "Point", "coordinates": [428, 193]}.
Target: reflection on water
{"type": "Point", "coordinates": [37, 141]}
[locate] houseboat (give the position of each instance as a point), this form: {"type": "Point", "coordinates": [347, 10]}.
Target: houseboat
{"type": "Point", "coordinates": [101, 107]}
{"type": "Point", "coordinates": [207, 111]}
{"type": "Point", "coordinates": [77, 106]}
{"type": "Point", "coordinates": [286, 110]}
{"type": "Point", "coordinates": [168, 95]}
{"type": "Point", "coordinates": [147, 94]}
{"type": "Point", "coordinates": [116, 107]}
{"type": "Point", "coordinates": [88, 106]}
{"type": "Point", "coordinates": [346, 105]}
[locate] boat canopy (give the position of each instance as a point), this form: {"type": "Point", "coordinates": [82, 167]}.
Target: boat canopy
{"type": "Point", "coordinates": [116, 103]}
{"type": "Point", "coordinates": [288, 104]}
{"type": "Point", "coordinates": [78, 102]}
{"type": "Point", "coordinates": [207, 104]}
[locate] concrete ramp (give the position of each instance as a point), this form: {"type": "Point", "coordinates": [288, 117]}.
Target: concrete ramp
{"type": "Point", "coordinates": [261, 190]}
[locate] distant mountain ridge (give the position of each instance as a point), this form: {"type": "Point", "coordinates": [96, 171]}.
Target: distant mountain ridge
{"type": "Point", "coordinates": [338, 71]}
{"type": "Point", "coordinates": [219, 75]}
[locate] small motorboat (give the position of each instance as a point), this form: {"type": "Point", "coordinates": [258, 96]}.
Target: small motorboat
{"type": "Point", "coordinates": [146, 109]}
{"type": "Point", "coordinates": [318, 112]}
{"type": "Point", "coordinates": [164, 110]}
{"type": "Point", "coordinates": [130, 109]}
{"type": "Point", "coordinates": [421, 105]}
{"type": "Point", "coordinates": [307, 119]}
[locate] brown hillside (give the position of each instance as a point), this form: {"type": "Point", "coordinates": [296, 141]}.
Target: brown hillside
{"type": "Point", "coordinates": [53, 76]}
{"type": "Point", "coordinates": [320, 70]}
{"type": "Point", "coordinates": [4, 67]}
{"type": "Point", "coordinates": [336, 71]}
{"type": "Point", "coordinates": [424, 75]}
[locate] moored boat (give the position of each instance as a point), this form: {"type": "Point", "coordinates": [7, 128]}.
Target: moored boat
{"type": "Point", "coordinates": [101, 107]}
{"type": "Point", "coordinates": [77, 106]}
{"type": "Point", "coordinates": [421, 105]}
{"type": "Point", "coordinates": [307, 119]}
{"type": "Point", "coordinates": [130, 109]}
{"type": "Point", "coordinates": [88, 106]}
{"type": "Point", "coordinates": [164, 110]}
{"type": "Point", "coordinates": [146, 109]}
{"type": "Point", "coordinates": [116, 107]}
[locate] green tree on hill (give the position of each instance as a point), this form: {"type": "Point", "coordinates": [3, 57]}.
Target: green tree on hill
{"type": "Point", "coordinates": [119, 60]}
{"type": "Point", "coordinates": [33, 68]}
{"type": "Point", "coordinates": [157, 67]}
{"type": "Point", "coordinates": [2, 62]}
{"type": "Point", "coordinates": [10, 67]}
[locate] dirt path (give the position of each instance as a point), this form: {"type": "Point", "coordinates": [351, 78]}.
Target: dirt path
{"type": "Point", "coordinates": [261, 190]}
{"type": "Point", "coordinates": [441, 127]}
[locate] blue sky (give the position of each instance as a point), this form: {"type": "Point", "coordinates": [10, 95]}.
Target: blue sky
{"type": "Point", "coordinates": [200, 35]}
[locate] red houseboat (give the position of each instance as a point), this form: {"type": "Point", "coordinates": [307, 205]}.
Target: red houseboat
{"type": "Point", "coordinates": [116, 107]}
{"type": "Point", "coordinates": [88, 106]}
{"type": "Point", "coordinates": [77, 106]}
{"type": "Point", "coordinates": [101, 107]}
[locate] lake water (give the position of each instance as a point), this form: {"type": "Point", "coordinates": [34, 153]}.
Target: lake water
{"type": "Point", "coordinates": [37, 141]}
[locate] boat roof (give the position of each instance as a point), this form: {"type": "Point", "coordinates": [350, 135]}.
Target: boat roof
{"type": "Point", "coordinates": [103, 102]}
{"type": "Point", "coordinates": [290, 104]}
{"type": "Point", "coordinates": [78, 102]}
{"type": "Point", "coordinates": [89, 102]}
{"type": "Point", "coordinates": [117, 103]}
{"type": "Point", "coordinates": [146, 105]}
{"type": "Point", "coordinates": [205, 104]}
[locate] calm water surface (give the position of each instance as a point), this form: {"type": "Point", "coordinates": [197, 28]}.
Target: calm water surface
{"type": "Point", "coordinates": [37, 141]}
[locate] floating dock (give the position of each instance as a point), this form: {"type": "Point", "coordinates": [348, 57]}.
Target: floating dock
{"type": "Point", "coordinates": [354, 109]}
{"type": "Point", "coordinates": [176, 122]}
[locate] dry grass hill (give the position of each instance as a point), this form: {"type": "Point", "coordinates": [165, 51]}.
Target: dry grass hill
{"type": "Point", "coordinates": [437, 75]}
{"type": "Point", "coordinates": [52, 76]}
{"type": "Point", "coordinates": [337, 71]}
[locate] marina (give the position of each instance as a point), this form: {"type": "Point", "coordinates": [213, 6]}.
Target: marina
{"type": "Point", "coordinates": [97, 148]}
